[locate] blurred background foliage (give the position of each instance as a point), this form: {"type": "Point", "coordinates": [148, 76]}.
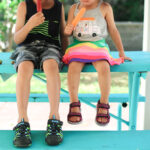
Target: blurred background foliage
{"type": "Point", "coordinates": [7, 20]}
{"type": "Point", "coordinates": [124, 10]}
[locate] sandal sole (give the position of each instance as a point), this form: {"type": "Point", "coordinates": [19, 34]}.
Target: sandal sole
{"type": "Point", "coordinates": [74, 123]}
{"type": "Point", "coordinates": [102, 125]}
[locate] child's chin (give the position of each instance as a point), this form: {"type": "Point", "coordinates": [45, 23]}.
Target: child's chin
{"type": "Point", "coordinates": [86, 3]}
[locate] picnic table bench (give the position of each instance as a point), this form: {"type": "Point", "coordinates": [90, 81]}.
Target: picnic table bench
{"type": "Point", "coordinates": [85, 140]}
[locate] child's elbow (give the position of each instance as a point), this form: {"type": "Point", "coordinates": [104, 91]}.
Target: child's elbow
{"type": "Point", "coordinates": [16, 40]}
{"type": "Point", "coordinates": [113, 30]}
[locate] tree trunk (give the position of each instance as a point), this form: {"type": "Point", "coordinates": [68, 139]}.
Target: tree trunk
{"type": "Point", "coordinates": [9, 42]}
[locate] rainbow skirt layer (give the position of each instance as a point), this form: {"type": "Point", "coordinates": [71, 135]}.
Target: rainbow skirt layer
{"type": "Point", "coordinates": [88, 52]}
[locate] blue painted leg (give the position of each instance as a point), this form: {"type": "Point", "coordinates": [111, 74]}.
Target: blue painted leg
{"type": "Point", "coordinates": [130, 83]}
{"type": "Point", "coordinates": [134, 101]}
{"type": "Point", "coordinates": [119, 115]}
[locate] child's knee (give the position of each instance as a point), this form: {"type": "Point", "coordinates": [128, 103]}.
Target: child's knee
{"type": "Point", "coordinates": [103, 66]}
{"type": "Point", "coordinates": [76, 66]}
{"type": "Point", "coordinates": [26, 66]}
{"type": "Point", "coordinates": [50, 65]}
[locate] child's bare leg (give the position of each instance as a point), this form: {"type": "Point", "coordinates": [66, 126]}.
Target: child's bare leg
{"type": "Point", "coordinates": [74, 71]}
{"type": "Point", "coordinates": [51, 70]}
{"type": "Point", "coordinates": [25, 71]}
{"type": "Point", "coordinates": [104, 79]}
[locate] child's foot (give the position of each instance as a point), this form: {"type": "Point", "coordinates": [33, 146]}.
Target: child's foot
{"type": "Point", "coordinates": [74, 116]}
{"type": "Point", "coordinates": [102, 116]}
{"type": "Point", "coordinates": [22, 134]}
{"type": "Point", "coordinates": [54, 134]}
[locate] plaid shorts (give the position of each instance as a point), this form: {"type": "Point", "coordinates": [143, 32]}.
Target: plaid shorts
{"type": "Point", "coordinates": [37, 52]}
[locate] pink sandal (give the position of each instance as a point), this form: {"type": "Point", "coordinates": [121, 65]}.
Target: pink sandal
{"type": "Point", "coordinates": [71, 114]}
{"type": "Point", "coordinates": [101, 115]}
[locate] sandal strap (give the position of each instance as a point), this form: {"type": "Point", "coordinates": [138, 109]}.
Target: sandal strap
{"type": "Point", "coordinates": [75, 104]}
{"type": "Point", "coordinates": [71, 114]}
{"type": "Point", "coordinates": [102, 105]}
{"type": "Point", "coordinates": [103, 115]}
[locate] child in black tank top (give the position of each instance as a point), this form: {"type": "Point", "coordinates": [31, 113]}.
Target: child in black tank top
{"type": "Point", "coordinates": [37, 35]}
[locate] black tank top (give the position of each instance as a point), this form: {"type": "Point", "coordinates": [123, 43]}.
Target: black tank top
{"type": "Point", "coordinates": [50, 29]}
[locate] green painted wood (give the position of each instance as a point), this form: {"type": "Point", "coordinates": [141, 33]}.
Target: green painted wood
{"type": "Point", "coordinates": [85, 140]}
{"type": "Point", "coordinates": [140, 63]}
{"type": "Point", "coordinates": [7, 97]}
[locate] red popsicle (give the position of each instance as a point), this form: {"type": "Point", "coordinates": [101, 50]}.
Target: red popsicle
{"type": "Point", "coordinates": [39, 6]}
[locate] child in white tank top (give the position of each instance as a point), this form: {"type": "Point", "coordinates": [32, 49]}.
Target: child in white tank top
{"type": "Point", "coordinates": [89, 46]}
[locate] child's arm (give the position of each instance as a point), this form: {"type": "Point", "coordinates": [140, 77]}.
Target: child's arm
{"type": "Point", "coordinates": [114, 33]}
{"type": "Point", "coordinates": [22, 29]}
{"type": "Point", "coordinates": [69, 27]}
{"type": "Point", "coordinates": [63, 37]}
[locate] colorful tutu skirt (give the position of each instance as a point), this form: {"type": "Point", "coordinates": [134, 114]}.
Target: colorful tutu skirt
{"type": "Point", "coordinates": [87, 52]}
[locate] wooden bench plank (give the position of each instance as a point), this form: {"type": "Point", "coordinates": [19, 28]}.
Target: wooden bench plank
{"type": "Point", "coordinates": [85, 140]}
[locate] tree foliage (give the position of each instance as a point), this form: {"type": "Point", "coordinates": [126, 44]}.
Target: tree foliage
{"type": "Point", "coordinates": [128, 10]}
{"type": "Point", "coordinates": [7, 20]}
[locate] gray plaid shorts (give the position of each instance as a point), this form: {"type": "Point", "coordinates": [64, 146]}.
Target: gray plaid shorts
{"type": "Point", "coordinates": [37, 52]}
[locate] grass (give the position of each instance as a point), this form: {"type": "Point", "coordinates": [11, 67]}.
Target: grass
{"type": "Point", "coordinates": [88, 84]}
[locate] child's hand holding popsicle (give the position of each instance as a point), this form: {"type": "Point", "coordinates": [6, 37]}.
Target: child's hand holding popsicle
{"type": "Point", "coordinates": [70, 27]}
{"type": "Point", "coordinates": [37, 18]}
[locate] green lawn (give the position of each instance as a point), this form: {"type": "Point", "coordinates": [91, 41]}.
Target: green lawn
{"type": "Point", "coordinates": [88, 84]}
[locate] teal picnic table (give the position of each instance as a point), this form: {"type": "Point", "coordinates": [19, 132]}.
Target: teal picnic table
{"type": "Point", "coordinates": [136, 69]}
{"type": "Point", "coordinates": [90, 140]}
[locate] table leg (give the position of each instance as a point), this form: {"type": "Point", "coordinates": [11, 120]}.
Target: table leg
{"type": "Point", "coordinates": [134, 101]}
{"type": "Point", "coordinates": [130, 81]}
{"type": "Point", "coordinates": [119, 115]}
